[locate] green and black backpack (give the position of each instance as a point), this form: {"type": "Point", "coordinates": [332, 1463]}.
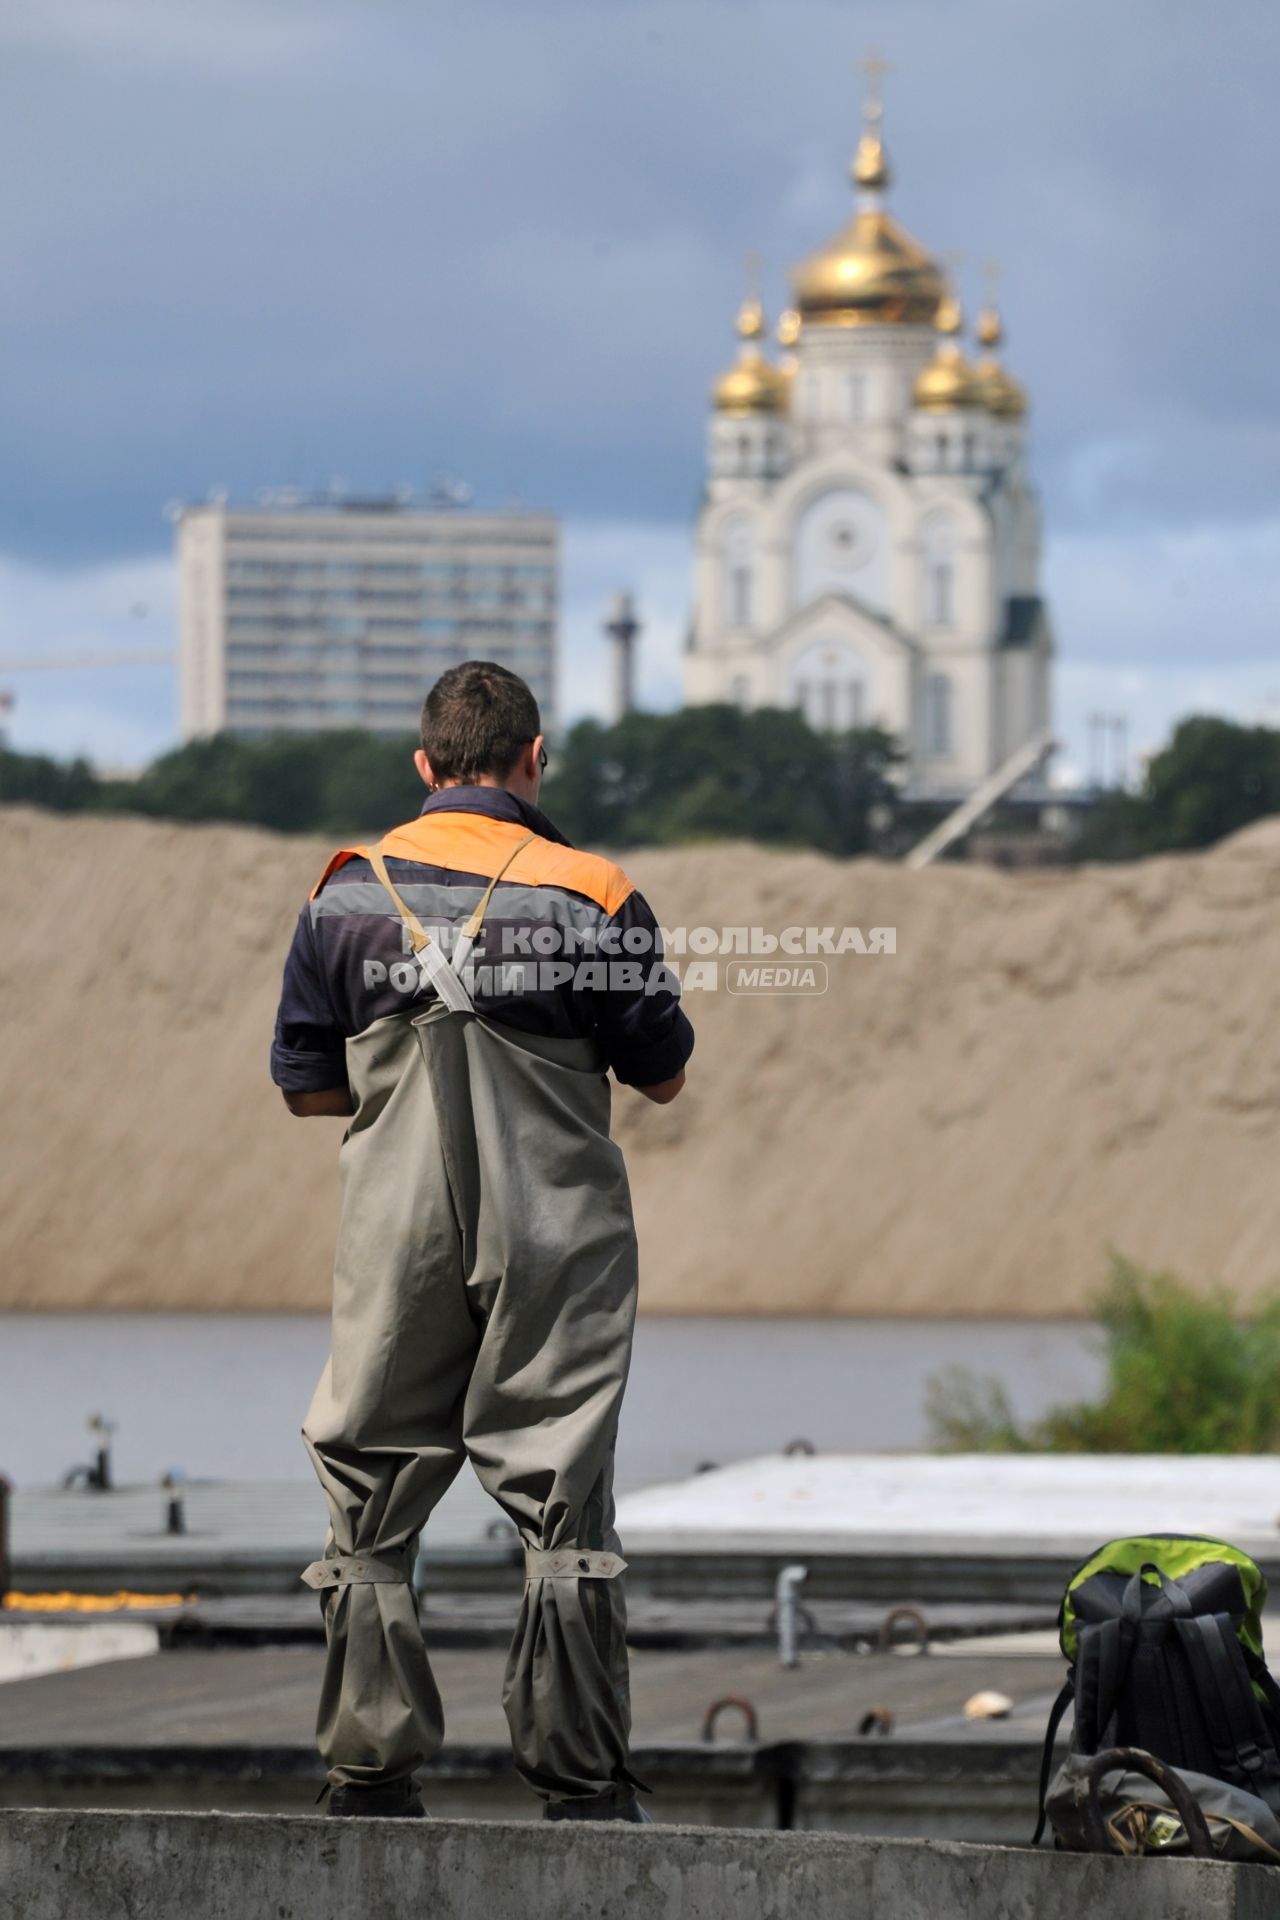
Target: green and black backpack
{"type": "Point", "coordinates": [1176, 1743]}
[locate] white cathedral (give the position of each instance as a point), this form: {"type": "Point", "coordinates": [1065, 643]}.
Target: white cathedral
{"type": "Point", "coordinates": [868, 548]}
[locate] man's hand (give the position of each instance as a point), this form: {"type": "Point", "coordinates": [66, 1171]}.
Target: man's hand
{"type": "Point", "coordinates": [331, 1101]}
{"type": "Point", "coordinates": [665, 1091]}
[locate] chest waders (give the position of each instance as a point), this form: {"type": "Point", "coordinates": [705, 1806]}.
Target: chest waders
{"type": "Point", "coordinates": [483, 1304]}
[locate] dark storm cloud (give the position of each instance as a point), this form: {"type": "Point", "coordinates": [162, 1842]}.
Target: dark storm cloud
{"type": "Point", "coordinates": [280, 242]}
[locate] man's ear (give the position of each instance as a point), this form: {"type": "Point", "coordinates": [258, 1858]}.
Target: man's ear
{"type": "Point", "coordinates": [425, 774]}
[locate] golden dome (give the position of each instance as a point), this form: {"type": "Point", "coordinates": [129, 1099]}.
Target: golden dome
{"type": "Point", "coordinates": [753, 385]}
{"type": "Point", "coordinates": [948, 382]}
{"type": "Point", "coordinates": [1001, 393]}
{"type": "Point", "coordinates": [872, 273]}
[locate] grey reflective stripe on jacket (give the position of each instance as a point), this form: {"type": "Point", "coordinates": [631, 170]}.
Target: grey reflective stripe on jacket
{"type": "Point", "coordinates": [484, 1297]}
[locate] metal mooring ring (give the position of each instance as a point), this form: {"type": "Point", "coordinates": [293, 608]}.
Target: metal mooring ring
{"type": "Point", "coordinates": [751, 1723]}
{"type": "Point", "coordinates": [890, 1621]}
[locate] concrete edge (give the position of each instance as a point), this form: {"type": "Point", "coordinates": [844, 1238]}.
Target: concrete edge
{"type": "Point", "coordinates": [135, 1866]}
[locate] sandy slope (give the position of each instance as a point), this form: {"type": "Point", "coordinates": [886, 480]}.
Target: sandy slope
{"type": "Point", "coordinates": [1048, 1066]}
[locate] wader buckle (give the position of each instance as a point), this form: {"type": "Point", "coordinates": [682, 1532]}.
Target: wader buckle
{"type": "Point", "coordinates": [571, 1563]}
{"type": "Point", "coordinates": [354, 1570]}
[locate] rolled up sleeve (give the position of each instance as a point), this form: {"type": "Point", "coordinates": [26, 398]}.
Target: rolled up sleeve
{"type": "Point", "coordinates": [645, 1031]}
{"type": "Point", "coordinates": [309, 1049]}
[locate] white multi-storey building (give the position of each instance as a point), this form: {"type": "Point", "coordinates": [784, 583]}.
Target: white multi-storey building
{"type": "Point", "coordinates": [298, 617]}
{"type": "Point", "coordinates": [868, 548]}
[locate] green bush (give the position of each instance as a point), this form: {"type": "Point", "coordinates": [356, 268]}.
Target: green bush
{"type": "Point", "coordinates": [1186, 1373]}
{"type": "Point", "coordinates": [1213, 777]}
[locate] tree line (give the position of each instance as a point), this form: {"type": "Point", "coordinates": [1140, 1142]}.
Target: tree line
{"type": "Point", "coordinates": [654, 779]}
{"type": "Point", "coordinates": [705, 773]}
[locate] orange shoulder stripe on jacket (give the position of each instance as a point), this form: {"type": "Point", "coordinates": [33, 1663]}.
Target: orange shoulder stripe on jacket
{"type": "Point", "coordinates": [339, 859]}
{"type": "Point", "coordinates": [473, 843]}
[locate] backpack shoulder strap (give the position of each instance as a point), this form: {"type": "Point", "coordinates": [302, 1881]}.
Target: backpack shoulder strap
{"type": "Point", "coordinates": [1265, 1682]}
{"type": "Point", "coordinates": [1241, 1740]}
{"type": "Point", "coordinates": [1103, 1657]}
{"type": "Point", "coordinates": [1056, 1711]}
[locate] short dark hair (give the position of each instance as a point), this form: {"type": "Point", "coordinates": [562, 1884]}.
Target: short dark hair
{"type": "Point", "coordinates": [475, 720]}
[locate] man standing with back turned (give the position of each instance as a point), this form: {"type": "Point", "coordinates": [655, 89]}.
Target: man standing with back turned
{"type": "Point", "coordinates": [460, 991]}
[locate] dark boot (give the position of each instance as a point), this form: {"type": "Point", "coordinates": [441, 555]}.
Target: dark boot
{"type": "Point", "coordinates": [615, 1803]}
{"type": "Point", "coordinates": [381, 1800]}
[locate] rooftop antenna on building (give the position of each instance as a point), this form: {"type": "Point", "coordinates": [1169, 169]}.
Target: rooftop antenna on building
{"type": "Point", "coordinates": [448, 491]}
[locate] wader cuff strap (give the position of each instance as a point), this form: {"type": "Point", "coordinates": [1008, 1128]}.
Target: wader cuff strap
{"type": "Point", "coordinates": [354, 1570]}
{"type": "Point", "coordinates": [571, 1563]}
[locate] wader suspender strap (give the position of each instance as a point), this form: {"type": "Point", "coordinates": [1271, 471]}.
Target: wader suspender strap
{"type": "Point", "coordinates": [472, 926]}
{"type": "Point", "coordinates": [436, 970]}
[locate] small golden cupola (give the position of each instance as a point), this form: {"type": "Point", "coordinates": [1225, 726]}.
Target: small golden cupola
{"type": "Point", "coordinates": [787, 334]}
{"type": "Point", "coordinates": [1001, 393]}
{"type": "Point", "coordinates": [753, 385]}
{"type": "Point", "coordinates": [873, 273]}
{"type": "Point", "coordinates": [948, 382]}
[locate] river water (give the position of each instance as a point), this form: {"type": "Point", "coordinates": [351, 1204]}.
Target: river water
{"type": "Point", "coordinates": [221, 1396]}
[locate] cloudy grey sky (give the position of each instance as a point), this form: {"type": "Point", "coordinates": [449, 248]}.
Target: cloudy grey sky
{"type": "Point", "coordinates": [276, 242]}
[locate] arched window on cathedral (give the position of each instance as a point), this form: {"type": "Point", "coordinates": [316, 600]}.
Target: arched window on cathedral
{"type": "Point", "coordinates": [828, 682]}
{"type": "Point", "coordinates": [857, 397]}
{"type": "Point", "coordinates": [740, 690]}
{"type": "Point", "coordinates": [937, 714]}
{"type": "Point", "coordinates": [739, 563]}
{"type": "Point", "coordinates": [938, 544]}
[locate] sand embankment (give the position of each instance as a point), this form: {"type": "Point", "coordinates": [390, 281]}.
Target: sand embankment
{"type": "Point", "coordinates": [1047, 1067]}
